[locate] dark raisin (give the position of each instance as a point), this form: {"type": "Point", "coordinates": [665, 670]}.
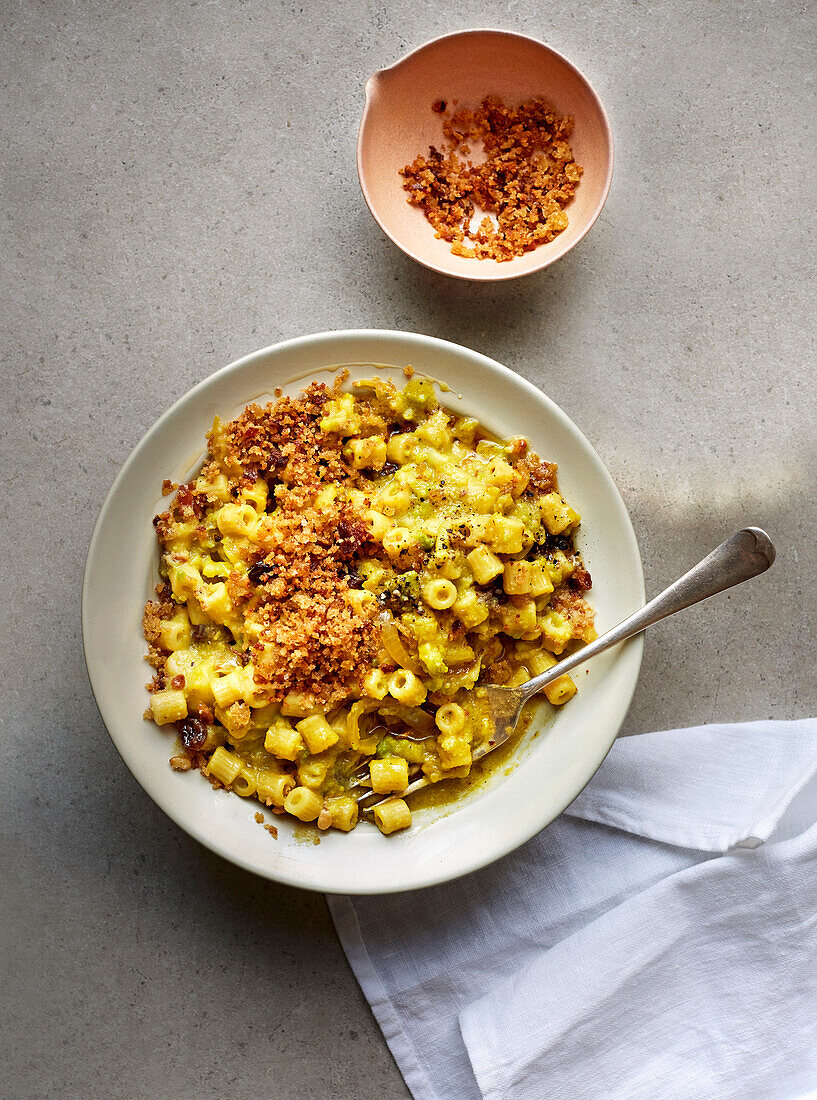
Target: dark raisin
{"type": "Point", "coordinates": [581, 580]}
{"type": "Point", "coordinates": [259, 572]}
{"type": "Point", "coordinates": [497, 586]}
{"type": "Point", "coordinates": [439, 105]}
{"type": "Point", "coordinates": [193, 733]}
{"type": "Point", "coordinates": [560, 542]}
{"type": "Point", "coordinates": [351, 535]}
{"type": "Point", "coordinates": [389, 468]}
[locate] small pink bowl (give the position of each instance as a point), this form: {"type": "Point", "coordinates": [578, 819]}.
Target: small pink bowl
{"type": "Point", "coordinates": [398, 123]}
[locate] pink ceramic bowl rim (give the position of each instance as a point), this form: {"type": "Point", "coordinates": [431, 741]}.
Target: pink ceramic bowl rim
{"type": "Point", "coordinates": [492, 275]}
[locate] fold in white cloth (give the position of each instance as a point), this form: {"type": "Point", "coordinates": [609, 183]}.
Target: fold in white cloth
{"type": "Point", "coordinates": [658, 940]}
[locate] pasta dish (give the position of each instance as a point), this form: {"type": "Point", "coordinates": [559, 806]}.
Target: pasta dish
{"type": "Point", "coordinates": [343, 571]}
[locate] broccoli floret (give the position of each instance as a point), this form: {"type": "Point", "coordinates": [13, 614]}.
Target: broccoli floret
{"type": "Point", "coordinates": [420, 392]}
{"type": "Point", "coordinates": [400, 746]}
{"type": "Point", "coordinates": [405, 587]}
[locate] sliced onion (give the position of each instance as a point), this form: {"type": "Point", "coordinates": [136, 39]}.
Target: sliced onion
{"type": "Point", "coordinates": [393, 644]}
{"type": "Point", "coordinates": [459, 676]}
{"type": "Point", "coordinates": [358, 709]}
{"type": "Point", "coordinates": [417, 719]}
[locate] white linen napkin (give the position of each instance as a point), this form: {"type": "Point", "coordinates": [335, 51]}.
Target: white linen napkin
{"type": "Point", "coordinates": [657, 940]}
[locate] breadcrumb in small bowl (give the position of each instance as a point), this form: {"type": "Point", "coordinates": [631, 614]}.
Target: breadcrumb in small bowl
{"type": "Point", "coordinates": [484, 154]}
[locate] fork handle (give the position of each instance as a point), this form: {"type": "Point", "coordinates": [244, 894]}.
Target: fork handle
{"type": "Point", "coordinates": [744, 555]}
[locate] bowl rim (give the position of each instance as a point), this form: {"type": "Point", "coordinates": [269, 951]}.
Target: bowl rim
{"type": "Point", "coordinates": [493, 273]}
{"type": "Point", "coordinates": [169, 806]}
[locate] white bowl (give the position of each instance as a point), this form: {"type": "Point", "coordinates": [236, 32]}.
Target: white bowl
{"type": "Point", "coordinates": [557, 756]}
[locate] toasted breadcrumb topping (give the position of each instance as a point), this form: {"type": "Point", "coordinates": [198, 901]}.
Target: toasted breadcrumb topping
{"type": "Point", "coordinates": [542, 475]}
{"type": "Point", "coordinates": [526, 179]}
{"type": "Point", "coordinates": [312, 641]}
{"type": "Point", "coordinates": [156, 612]}
{"type": "Point", "coordinates": [569, 602]}
{"type": "Point", "coordinates": [284, 443]}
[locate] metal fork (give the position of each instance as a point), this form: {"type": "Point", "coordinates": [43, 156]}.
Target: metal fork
{"type": "Point", "coordinates": [741, 557]}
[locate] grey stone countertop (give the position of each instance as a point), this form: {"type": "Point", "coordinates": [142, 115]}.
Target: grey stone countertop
{"type": "Point", "coordinates": [179, 188]}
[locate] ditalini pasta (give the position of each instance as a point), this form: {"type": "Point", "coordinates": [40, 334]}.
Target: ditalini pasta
{"type": "Point", "coordinates": [344, 569]}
